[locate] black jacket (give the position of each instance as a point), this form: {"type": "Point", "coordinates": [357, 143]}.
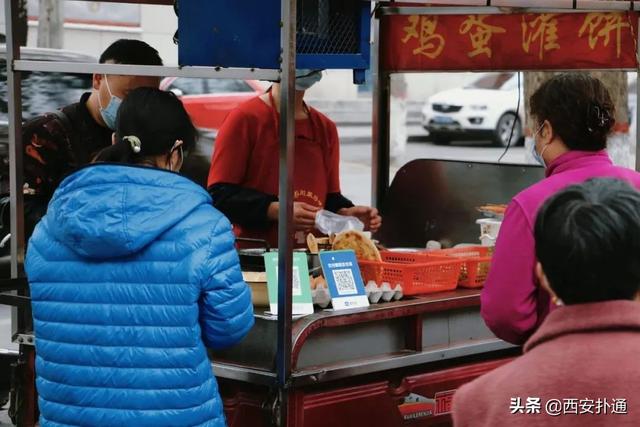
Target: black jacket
{"type": "Point", "coordinates": [54, 147]}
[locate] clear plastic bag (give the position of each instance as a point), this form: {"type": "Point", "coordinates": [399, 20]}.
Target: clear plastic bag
{"type": "Point", "coordinates": [331, 223]}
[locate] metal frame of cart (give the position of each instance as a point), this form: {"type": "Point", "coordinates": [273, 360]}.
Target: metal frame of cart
{"type": "Point", "coordinates": [380, 143]}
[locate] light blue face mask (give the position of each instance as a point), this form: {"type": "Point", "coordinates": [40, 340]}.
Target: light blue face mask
{"type": "Point", "coordinates": [307, 78]}
{"type": "Point", "coordinates": [538, 156]}
{"type": "Point", "coordinates": [110, 113]}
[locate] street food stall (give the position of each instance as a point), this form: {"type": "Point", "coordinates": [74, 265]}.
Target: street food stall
{"type": "Point", "coordinates": [398, 359]}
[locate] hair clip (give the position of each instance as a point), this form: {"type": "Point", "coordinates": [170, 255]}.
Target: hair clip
{"type": "Point", "coordinates": [598, 118]}
{"type": "Point", "coordinates": [134, 141]}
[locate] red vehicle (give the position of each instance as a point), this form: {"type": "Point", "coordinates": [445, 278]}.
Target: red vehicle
{"type": "Point", "coordinates": [208, 101]}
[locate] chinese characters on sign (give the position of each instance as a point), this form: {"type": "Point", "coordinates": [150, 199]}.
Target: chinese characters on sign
{"type": "Point", "coordinates": [444, 401]}
{"type": "Point", "coordinates": [540, 30]}
{"type": "Point", "coordinates": [307, 196]}
{"type": "Point", "coordinates": [340, 265]}
{"type": "Point", "coordinates": [600, 27]}
{"type": "Point", "coordinates": [430, 43]}
{"type": "Point", "coordinates": [480, 34]}
{"type": "Point", "coordinates": [571, 406]}
{"type": "Point", "coordinates": [514, 41]}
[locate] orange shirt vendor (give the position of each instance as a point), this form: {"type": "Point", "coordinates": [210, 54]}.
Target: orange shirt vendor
{"type": "Point", "coordinates": [243, 179]}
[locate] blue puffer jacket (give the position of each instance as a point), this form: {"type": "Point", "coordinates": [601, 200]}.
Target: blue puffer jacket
{"type": "Point", "coordinates": [130, 271]}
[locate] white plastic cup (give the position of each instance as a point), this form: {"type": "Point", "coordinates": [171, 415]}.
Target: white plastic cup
{"type": "Point", "coordinates": [489, 230]}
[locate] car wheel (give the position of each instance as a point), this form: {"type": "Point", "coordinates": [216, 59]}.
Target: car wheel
{"type": "Point", "coordinates": [503, 130]}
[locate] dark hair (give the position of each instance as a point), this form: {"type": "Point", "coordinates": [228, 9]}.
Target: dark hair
{"type": "Point", "coordinates": [588, 241]}
{"type": "Point", "coordinates": [149, 123]}
{"type": "Point", "coordinates": [578, 106]}
{"type": "Point", "coordinates": [131, 52]}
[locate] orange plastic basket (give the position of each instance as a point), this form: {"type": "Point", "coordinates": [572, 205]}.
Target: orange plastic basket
{"type": "Point", "coordinates": [418, 273]}
{"type": "Point", "coordinates": [477, 260]}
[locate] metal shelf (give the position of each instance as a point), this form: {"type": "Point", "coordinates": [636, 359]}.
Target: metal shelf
{"type": "Point", "coordinates": [147, 70]}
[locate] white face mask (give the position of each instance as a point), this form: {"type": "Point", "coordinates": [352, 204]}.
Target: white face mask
{"type": "Point", "coordinates": [538, 156]}
{"type": "Point", "coordinates": [110, 112]}
{"type": "Point", "coordinates": [307, 78]}
{"type": "Point", "coordinates": [177, 145]}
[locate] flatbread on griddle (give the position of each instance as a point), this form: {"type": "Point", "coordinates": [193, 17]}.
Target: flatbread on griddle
{"type": "Point", "coordinates": [364, 247]}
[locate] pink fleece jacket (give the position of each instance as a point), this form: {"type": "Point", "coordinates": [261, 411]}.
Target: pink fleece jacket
{"type": "Point", "coordinates": [513, 304]}
{"type": "Point", "coordinates": [584, 356]}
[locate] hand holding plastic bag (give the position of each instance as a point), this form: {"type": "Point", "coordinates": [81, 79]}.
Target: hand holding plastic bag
{"type": "Point", "coordinates": [330, 223]}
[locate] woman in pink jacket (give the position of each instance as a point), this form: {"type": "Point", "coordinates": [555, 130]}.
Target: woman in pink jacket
{"type": "Point", "coordinates": [574, 114]}
{"type": "Point", "coordinates": [581, 367]}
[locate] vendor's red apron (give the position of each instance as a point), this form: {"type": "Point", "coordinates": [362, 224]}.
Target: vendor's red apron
{"type": "Point", "coordinates": [310, 182]}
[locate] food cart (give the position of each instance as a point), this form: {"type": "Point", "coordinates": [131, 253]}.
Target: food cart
{"type": "Point", "coordinates": [391, 364]}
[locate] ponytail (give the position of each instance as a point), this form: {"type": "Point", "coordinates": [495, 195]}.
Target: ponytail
{"type": "Point", "coordinates": [123, 151]}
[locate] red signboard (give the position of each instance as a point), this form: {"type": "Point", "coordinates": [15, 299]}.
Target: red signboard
{"type": "Point", "coordinates": [510, 41]}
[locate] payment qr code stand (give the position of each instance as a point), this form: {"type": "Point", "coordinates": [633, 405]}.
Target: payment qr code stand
{"type": "Point", "coordinates": [391, 364]}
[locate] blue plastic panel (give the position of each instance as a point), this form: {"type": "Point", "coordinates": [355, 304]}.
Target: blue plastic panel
{"type": "Point", "coordinates": [246, 34]}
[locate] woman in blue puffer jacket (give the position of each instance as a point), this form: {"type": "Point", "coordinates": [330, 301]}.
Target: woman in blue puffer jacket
{"type": "Point", "coordinates": [132, 273]}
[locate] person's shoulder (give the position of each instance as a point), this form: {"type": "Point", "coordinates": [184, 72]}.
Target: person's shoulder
{"type": "Point", "coordinates": [207, 215]}
{"type": "Point", "coordinates": [254, 107]}
{"type": "Point", "coordinates": [323, 118]}
{"type": "Point", "coordinates": [630, 175]}
{"type": "Point", "coordinates": [531, 198]}
{"type": "Point", "coordinates": [329, 127]}
{"type": "Point", "coordinates": [75, 111]}
{"type": "Point", "coordinates": [247, 114]}
{"type": "Point", "coordinates": [492, 386]}
{"type": "Point", "coordinates": [58, 123]}
{"type": "Point", "coordinates": [209, 223]}
{"type": "Point", "coordinates": [48, 122]}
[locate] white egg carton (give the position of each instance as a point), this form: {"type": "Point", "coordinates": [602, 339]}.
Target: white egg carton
{"type": "Point", "coordinates": [383, 293]}
{"type": "Point", "coordinates": [321, 297]}
{"type": "Point", "coordinates": [376, 294]}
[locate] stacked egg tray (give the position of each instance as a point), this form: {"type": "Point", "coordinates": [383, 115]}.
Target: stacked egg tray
{"type": "Point", "coordinates": [376, 294]}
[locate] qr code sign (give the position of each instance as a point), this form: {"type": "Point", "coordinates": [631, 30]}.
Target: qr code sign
{"type": "Point", "coordinates": [345, 283]}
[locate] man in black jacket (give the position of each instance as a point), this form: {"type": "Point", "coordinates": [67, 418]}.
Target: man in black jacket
{"type": "Point", "coordinates": [55, 144]}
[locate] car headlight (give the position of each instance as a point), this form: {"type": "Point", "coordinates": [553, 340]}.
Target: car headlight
{"type": "Point", "coordinates": [478, 107]}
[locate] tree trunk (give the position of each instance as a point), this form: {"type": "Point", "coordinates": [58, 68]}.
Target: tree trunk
{"type": "Point", "coordinates": [50, 24]}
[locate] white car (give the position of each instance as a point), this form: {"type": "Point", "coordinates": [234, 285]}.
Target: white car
{"type": "Point", "coordinates": [483, 110]}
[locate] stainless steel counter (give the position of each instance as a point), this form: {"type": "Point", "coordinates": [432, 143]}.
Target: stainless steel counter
{"type": "Point", "coordinates": [330, 345]}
